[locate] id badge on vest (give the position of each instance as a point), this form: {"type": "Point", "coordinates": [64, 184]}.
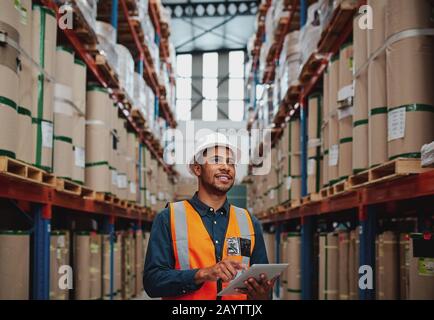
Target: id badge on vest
{"type": "Point", "coordinates": [238, 247]}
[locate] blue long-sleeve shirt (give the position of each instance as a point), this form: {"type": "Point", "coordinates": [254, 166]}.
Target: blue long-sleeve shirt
{"type": "Point", "coordinates": [160, 279]}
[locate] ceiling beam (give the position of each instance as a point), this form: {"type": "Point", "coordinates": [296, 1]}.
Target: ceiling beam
{"type": "Point", "coordinates": [212, 9]}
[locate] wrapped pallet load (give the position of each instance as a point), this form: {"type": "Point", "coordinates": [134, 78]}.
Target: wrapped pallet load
{"type": "Point", "coordinates": [118, 266]}
{"type": "Point", "coordinates": [105, 272]}
{"type": "Point", "coordinates": [420, 270]}
{"type": "Point", "coordinates": [410, 97]}
{"type": "Point", "coordinates": [44, 53]}
{"type": "Point", "coordinates": [388, 266]}
{"type": "Point", "coordinates": [114, 145]}
{"type": "Point", "coordinates": [14, 265]}
{"type": "Point", "coordinates": [59, 256]}
{"type": "Point", "coordinates": [404, 265]}
{"type": "Point", "coordinates": [353, 264]}
{"type": "Point", "coordinates": [293, 273]}
{"type": "Point", "coordinates": [343, 264]}
{"type": "Point", "coordinates": [9, 69]}
{"type": "Point", "coordinates": [295, 160]}
{"type": "Point", "coordinates": [131, 162]}
{"type": "Point", "coordinates": [377, 87]}
{"type": "Point", "coordinates": [314, 178]}
{"type": "Point", "coordinates": [325, 145]}
{"type": "Point", "coordinates": [333, 128]}
{"type": "Point", "coordinates": [328, 266]}
{"type": "Point", "coordinates": [345, 112]}
{"type": "Point", "coordinates": [82, 258]}
{"type": "Point", "coordinates": [284, 191]}
{"type": "Point", "coordinates": [79, 121]}
{"type": "Point", "coordinates": [98, 139]}
{"type": "Point", "coordinates": [360, 117]}
{"type": "Point", "coordinates": [25, 138]}
{"type": "Point", "coordinates": [283, 259]}
{"type": "Point", "coordinates": [122, 160]}
{"type": "Point", "coordinates": [95, 266]}
{"type": "Point", "coordinates": [63, 114]}
{"type": "Point", "coordinates": [139, 261]}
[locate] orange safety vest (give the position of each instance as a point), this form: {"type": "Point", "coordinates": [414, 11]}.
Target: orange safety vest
{"type": "Point", "coordinates": [194, 248]}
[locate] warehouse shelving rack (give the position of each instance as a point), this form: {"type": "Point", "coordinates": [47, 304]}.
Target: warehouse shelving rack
{"type": "Point", "coordinates": [40, 199]}
{"type": "Point", "coordinates": [393, 196]}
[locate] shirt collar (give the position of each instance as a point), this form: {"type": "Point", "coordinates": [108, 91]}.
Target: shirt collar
{"type": "Point", "coordinates": [204, 209]}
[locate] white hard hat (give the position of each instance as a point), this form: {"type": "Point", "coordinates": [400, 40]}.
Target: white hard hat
{"type": "Point", "coordinates": [214, 139]}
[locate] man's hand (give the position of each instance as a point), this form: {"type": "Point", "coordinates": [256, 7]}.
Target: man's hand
{"type": "Point", "coordinates": [226, 270]}
{"type": "Point", "coordinates": [258, 290]}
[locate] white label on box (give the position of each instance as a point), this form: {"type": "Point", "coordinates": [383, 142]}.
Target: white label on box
{"type": "Point", "coordinates": [160, 195]}
{"type": "Point", "coordinates": [148, 195]}
{"type": "Point", "coordinates": [396, 124]}
{"type": "Point", "coordinates": [153, 200]}
{"type": "Point", "coordinates": [288, 183]}
{"type": "Point", "coordinates": [79, 157]}
{"type": "Point", "coordinates": [47, 134]}
{"type": "Point", "coordinates": [132, 188]}
{"type": "Point", "coordinates": [346, 92]}
{"type": "Point", "coordinates": [333, 155]}
{"type": "Point", "coordinates": [122, 181]}
{"type": "Point", "coordinates": [314, 143]}
{"type": "Point", "coordinates": [61, 241]}
{"type": "Point", "coordinates": [114, 178]}
{"type": "Point", "coordinates": [345, 112]}
{"type": "Point", "coordinates": [272, 194]}
{"type": "Point", "coordinates": [311, 164]}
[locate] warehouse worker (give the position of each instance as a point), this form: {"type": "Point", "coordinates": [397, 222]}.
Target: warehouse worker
{"type": "Point", "coordinates": [197, 247]}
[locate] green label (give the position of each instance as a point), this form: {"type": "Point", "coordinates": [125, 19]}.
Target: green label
{"type": "Point", "coordinates": [426, 267]}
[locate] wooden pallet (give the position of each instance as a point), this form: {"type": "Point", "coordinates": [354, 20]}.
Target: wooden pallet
{"type": "Point", "coordinates": [85, 33]}
{"type": "Point", "coordinates": [310, 67]}
{"type": "Point", "coordinates": [324, 193]}
{"type": "Point", "coordinates": [88, 193]}
{"type": "Point", "coordinates": [342, 16]}
{"type": "Point", "coordinates": [66, 186]}
{"type": "Point", "coordinates": [296, 203]}
{"type": "Point", "coordinates": [21, 170]}
{"type": "Point", "coordinates": [388, 171]}
{"type": "Point", "coordinates": [107, 71]}
{"type": "Point", "coordinates": [339, 188]}
{"type": "Point", "coordinates": [313, 197]}
{"type": "Point", "coordinates": [104, 197]}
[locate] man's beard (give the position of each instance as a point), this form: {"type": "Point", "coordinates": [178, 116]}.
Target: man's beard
{"type": "Point", "coordinates": [215, 188]}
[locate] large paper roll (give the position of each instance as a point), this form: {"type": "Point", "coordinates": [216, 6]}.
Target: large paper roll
{"type": "Point", "coordinates": [82, 265]}
{"type": "Point", "coordinates": [9, 81]}
{"type": "Point", "coordinates": [25, 138]}
{"type": "Point", "coordinates": [44, 53]}
{"type": "Point", "coordinates": [14, 265]}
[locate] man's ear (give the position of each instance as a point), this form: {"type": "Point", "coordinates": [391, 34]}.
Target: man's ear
{"type": "Point", "coordinates": [197, 169]}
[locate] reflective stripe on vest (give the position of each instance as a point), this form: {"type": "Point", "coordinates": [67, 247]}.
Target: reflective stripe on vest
{"type": "Point", "coordinates": [194, 249]}
{"type": "Point", "coordinates": [181, 235]}
{"type": "Point", "coordinates": [244, 228]}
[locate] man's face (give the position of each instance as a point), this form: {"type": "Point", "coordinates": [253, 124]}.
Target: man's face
{"type": "Point", "coordinates": [218, 169]}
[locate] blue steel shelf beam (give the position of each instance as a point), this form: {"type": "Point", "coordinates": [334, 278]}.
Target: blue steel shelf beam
{"type": "Point", "coordinates": [41, 253]}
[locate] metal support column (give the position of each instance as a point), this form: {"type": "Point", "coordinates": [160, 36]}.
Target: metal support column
{"type": "Point", "coordinates": [41, 253]}
{"type": "Point", "coordinates": [114, 14]}
{"type": "Point", "coordinates": [277, 251]}
{"type": "Point", "coordinates": [368, 226]}
{"type": "Point", "coordinates": [156, 108]}
{"type": "Point", "coordinates": [140, 66]}
{"type": "Point", "coordinates": [109, 228]}
{"type": "Point", "coordinates": [303, 12]}
{"type": "Point", "coordinates": [112, 255]}
{"type": "Point", "coordinates": [307, 258]}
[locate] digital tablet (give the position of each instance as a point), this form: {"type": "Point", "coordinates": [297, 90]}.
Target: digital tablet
{"type": "Point", "coordinates": [270, 270]}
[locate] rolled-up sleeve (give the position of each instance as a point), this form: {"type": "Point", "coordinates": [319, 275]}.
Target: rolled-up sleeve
{"type": "Point", "coordinates": [160, 279]}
